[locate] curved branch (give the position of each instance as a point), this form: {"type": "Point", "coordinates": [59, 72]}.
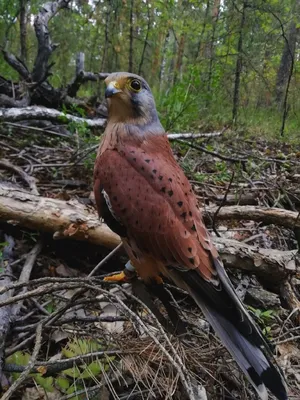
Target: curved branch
{"type": "Point", "coordinates": [45, 46]}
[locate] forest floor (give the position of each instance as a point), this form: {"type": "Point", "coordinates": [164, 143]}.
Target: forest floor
{"type": "Point", "coordinates": [70, 336]}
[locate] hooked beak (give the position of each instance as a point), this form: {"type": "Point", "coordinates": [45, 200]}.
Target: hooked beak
{"type": "Point", "coordinates": [112, 89]}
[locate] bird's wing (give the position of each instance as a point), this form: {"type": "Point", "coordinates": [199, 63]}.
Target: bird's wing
{"type": "Point", "coordinates": [152, 198]}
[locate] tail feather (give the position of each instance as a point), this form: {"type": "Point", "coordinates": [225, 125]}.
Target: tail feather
{"type": "Point", "coordinates": [234, 326]}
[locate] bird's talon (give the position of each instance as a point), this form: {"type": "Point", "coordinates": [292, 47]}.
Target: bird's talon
{"type": "Point", "coordinates": [122, 277]}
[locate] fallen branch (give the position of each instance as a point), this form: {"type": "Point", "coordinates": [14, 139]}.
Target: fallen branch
{"type": "Point", "coordinates": [213, 153]}
{"type": "Point", "coordinates": [35, 112]}
{"type": "Point", "coordinates": [276, 216]}
{"type": "Point", "coordinates": [175, 136]}
{"type": "Point", "coordinates": [76, 221]}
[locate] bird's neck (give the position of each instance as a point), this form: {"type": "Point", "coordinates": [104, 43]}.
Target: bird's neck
{"type": "Point", "coordinates": [118, 134]}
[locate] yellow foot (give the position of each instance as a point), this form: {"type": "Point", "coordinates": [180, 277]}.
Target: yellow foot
{"type": "Point", "coordinates": [121, 277]}
{"type": "Point", "coordinates": [158, 280]}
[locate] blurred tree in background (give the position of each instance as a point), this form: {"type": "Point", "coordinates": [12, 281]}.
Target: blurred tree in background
{"type": "Point", "coordinates": [209, 62]}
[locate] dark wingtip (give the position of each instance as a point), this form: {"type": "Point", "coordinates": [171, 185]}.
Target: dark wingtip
{"type": "Point", "coordinates": [275, 383]}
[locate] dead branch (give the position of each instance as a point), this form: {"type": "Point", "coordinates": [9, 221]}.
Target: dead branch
{"type": "Point", "coordinates": [54, 367]}
{"type": "Point", "coordinates": [174, 136]}
{"type": "Point", "coordinates": [276, 216]}
{"type": "Point", "coordinates": [7, 101]}
{"type": "Point", "coordinates": [76, 221]}
{"type": "Point", "coordinates": [16, 64]}
{"type": "Point", "coordinates": [213, 153]}
{"type": "Point", "coordinates": [45, 47]}
{"type": "Point", "coordinates": [36, 112]}
{"type": "Point", "coordinates": [82, 76]}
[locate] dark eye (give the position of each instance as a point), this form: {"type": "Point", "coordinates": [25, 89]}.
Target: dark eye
{"type": "Point", "coordinates": [135, 85]}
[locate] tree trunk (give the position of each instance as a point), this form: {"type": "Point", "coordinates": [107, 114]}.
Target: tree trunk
{"type": "Point", "coordinates": [163, 63]}
{"type": "Point", "coordinates": [178, 65]}
{"type": "Point", "coordinates": [106, 39]}
{"type": "Point", "coordinates": [146, 39]}
{"type": "Point", "coordinates": [286, 64]}
{"type": "Point", "coordinates": [199, 46]}
{"type": "Point", "coordinates": [239, 67]}
{"type": "Point", "coordinates": [23, 31]}
{"type": "Point", "coordinates": [130, 61]}
{"type": "Point", "coordinates": [215, 17]}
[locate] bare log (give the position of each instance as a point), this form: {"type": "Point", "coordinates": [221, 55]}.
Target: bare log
{"type": "Point", "coordinates": [36, 112]}
{"type": "Point", "coordinates": [64, 219]}
{"type": "Point", "coordinates": [269, 264]}
{"type": "Point", "coordinates": [73, 220]}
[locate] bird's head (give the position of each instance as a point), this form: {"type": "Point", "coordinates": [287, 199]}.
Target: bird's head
{"type": "Point", "coordinates": [130, 99]}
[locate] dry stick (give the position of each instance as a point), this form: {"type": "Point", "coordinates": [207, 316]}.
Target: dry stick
{"type": "Point", "coordinates": [34, 128]}
{"type": "Point", "coordinates": [41, 281]}
{"type": "Point", "coordinates": [105, 259]}
{"type": "Point", "coordinates": [25, 274]}
{"type": "Point", "coordinates": [221, 205]}
{"type": "Point", "coordinates": [46, 321]}
{"type": "Point", "coordinates": [79, 291]}
{"type": "Point", "coordinates": [25, 177]}
{"type": "Point", "coordinates": [176, 136]}
{"type": "Point", "coordinates": [63, 321]}
{"type": "Point", "coordinates": [29, 366]}
{"type": "Point", "coordinates": [213, 153]}
{"type": "Point", "coordinates": [55, 366]}
{"type": "Point", "coordinates": [46, 289]}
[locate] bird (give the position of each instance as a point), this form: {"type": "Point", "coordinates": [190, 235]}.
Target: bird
{"type": "Point", "coordinates": [143, 195]}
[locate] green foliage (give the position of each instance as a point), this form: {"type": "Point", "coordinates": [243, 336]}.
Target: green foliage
{"type": "Point", "coordinates": [72, 379]}
{"type": "Point", "coordinates": [187, 51]}
{"type": "Point", "coordinates": [265, 318]}
{"type": "Point", "coordinates": [22, 358]}
{"type": "Point", "coordinates": [180, 104]}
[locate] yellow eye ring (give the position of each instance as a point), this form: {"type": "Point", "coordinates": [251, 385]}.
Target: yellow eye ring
{"type": "Point", "coordinates": [135, 85]}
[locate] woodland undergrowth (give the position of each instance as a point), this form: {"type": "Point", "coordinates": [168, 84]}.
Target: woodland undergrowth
{"type": "Point", "coordinates": [72, 336]}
